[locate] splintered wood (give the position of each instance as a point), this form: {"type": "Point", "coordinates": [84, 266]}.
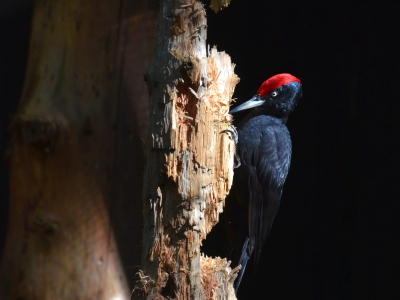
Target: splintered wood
{"type": "Point", "coordinates": [217, 5]}
{"type": "Point", "coordinates": [202, 162]}
{"type": "Point", "coordinates": [217, 278]}
{"type": "Point", "coordinates": [189, 161]}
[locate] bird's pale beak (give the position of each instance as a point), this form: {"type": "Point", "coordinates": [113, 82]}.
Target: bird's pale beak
{"type": "Point", "coordinates": [253, 102]}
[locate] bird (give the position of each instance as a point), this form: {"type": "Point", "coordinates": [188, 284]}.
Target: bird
{"type": "Point", "coordinates": [264, 152]}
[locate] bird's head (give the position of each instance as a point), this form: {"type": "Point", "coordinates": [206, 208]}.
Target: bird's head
{"type": "Point", "coordinates": [277, 96]}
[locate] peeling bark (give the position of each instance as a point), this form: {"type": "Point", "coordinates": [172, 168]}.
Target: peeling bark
{"type": "Point", "coordinates": [189, 162]}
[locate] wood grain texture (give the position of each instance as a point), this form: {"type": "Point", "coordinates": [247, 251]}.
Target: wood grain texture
{"type": "Point", "coordinates": [189, 162]}
{"type": "Point", "coordinates": [75, 154]}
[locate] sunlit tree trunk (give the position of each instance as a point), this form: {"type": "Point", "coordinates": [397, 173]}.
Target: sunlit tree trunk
{"type": "Point", "coordinates": [189, 162]}
{"type": "Point", "coordinates": [76, 155]}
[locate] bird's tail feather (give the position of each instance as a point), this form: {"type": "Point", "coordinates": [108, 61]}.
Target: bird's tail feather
{"type": "Point", "coordinates": [245, 255]}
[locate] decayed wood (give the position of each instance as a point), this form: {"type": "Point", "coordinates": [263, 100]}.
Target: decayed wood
{"type": "Point", "coordinates": [189, 162]}
{"type": "Point", "coordinates": [217, 5]}
{"type": "Point", "coordinates": [80, 86]}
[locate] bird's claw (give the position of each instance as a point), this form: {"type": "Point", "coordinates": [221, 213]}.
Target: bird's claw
{"type": "Point", "coordinates": [238, 163]}
{"type": "Point", "coordinates": [232, 130]}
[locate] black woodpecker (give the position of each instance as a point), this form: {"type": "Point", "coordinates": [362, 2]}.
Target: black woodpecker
{"type": "Point", "coordinates": [264, 151]}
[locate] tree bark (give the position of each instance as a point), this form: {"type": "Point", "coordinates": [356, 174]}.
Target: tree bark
{"type": "Point", "coordinates": [189, 162]}
{"type": "Point", "coordinates": [76, 153]}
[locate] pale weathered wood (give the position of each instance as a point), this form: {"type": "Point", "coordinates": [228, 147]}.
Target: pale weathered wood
{"type": "Point", "coordinates": [78, 107]}
{"type": "Point", "coordinates": [189, 162]}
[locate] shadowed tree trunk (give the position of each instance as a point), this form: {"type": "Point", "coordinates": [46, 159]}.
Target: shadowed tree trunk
{"type": "Point", "coordinates": [76, 154]}
{"type": "Point", "coordinates": [189, 162]}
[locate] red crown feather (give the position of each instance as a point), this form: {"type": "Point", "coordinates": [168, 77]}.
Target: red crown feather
{"type": "Point", "coordinates": [275, 82]}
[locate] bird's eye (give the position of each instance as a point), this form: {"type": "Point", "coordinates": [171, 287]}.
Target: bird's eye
{"type": "Point", "coordinates": [274, 94]}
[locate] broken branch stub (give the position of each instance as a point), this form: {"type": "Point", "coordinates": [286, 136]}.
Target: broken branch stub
{"type": "Point", "coordinates": [189, 162]}
{"type": "Point", "coordinates": [217, 5]}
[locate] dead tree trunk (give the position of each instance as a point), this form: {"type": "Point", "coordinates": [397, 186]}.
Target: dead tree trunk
{"type": "Point", "coordinates": [189, 162]}
{"type": "Point", "coordinates": [72, 140]}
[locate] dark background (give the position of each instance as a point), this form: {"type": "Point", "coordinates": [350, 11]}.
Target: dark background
{"type": "Point", "coordinates": [336, 233]}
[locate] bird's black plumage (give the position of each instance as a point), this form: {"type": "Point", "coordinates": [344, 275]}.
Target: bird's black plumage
{"type": "Point", "coordinates": [264, 149]}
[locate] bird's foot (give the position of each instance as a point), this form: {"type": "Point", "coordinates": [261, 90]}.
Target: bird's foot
{"type": "Point", "coordinates": [238, 163]}
{"type": "Point", "coordinates": [232, 130]}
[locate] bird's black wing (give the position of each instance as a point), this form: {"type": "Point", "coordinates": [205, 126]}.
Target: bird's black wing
{"type": "Point", "coordinates": [267, 157]}
{"type": "Point", "coordinates": [265, 150]}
